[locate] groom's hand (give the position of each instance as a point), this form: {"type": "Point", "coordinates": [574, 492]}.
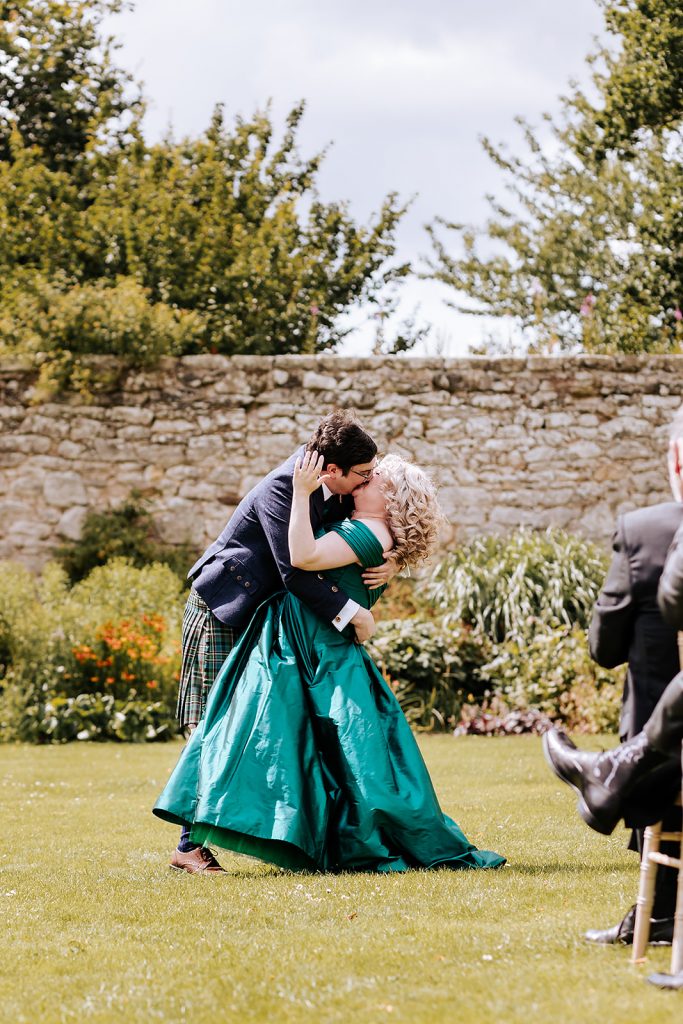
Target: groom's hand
{"type": "Point", "coordinates": [380, 575]}
{"type": "Point", "coordinates": [364, 624]}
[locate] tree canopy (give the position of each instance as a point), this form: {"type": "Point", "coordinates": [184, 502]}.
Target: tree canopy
{"type": "Point", "coordinates": [588, 251]}
{"type": "Point", "coordinates": [109, 243]}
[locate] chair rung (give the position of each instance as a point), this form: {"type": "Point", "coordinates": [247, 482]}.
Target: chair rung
{"type": "Point", "coordinates": [670, 837]}
{"type": "Point", "coordinates": [668, 862]}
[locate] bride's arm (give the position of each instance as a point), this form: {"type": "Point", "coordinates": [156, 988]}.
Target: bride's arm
{"type": "Point", "coordinates": [305, 552]}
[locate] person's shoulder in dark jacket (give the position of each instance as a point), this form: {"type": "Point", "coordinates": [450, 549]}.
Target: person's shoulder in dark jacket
{"type": "Point", "coordinates": [670, 592]}
{"type": "Point", "coordinates": [646, 534]}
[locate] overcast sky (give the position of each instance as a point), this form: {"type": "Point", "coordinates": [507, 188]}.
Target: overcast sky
{"type": "Point", "coordinates": [402, 88]}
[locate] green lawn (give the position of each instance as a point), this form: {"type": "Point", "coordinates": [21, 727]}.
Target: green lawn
{"type": "Point", "coordinates": [98, 928]}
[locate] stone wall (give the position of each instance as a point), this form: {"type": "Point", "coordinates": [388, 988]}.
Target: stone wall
{"type": "Point", "coordinates": [540, 441]}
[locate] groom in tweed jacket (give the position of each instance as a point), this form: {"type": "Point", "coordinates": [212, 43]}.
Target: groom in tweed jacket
{"type": "Point", "coordinates": [249, 562]}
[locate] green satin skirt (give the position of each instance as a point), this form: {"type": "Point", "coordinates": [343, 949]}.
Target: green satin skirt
{"type": "Point", "coordinates": [304, 759]}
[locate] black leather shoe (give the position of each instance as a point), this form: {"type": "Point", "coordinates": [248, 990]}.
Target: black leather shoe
{"type": "Point", "coordinates": [598, 807]}
{"type": "Point", "coordinates": [661, 932]}
{"type": "Point", "coordinates": [667, 980]}
{"type": "Point", "coordinates": [603, 781]}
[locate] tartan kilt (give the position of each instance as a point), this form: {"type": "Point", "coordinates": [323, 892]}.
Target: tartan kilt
{"type": "Point", "coordinates": [206, 643]}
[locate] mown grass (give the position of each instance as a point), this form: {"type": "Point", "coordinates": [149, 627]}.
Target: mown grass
{"type": "Point", "coordinates": [97, 928]}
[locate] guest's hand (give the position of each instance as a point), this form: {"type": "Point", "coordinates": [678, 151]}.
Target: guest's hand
{"type": "Point", "coordinates": [380, 575]}
{"type": "Point", "coordinates": [308, 473]}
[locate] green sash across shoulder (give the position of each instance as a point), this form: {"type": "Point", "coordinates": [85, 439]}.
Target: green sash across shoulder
{"type": "Point", "coordinates": [368, 550]}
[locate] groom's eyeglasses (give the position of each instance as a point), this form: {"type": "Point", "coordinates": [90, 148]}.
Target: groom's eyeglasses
{"type": "Point", "coordinates": [364, 474]}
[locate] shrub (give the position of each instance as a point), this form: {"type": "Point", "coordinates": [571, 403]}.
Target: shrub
{"type": "Point", "coordinates": [553, 672]}
{"type": "Point", "coordinates": [95, 716]}
{"type": "Point", "coordinates": [21, 628]}
{"type": "Point", "coordinates": [129, 656]}
{"type": "Point", "coordinates": [505, 585]}
{"type": "Point", "coordinates": [494, 718]}
{"type": "Point", "coordinates": [58, 322]}
{"type": "Point", "coordinates": [127, 531]}
{"type": "Point", "coordinates": [404, 598]}
{"type": "Point", "coordinates": [523, 603]}
{"type": "Point", "coordinates": [432, 668]}
{"type": "Point", "coordinates": [114, 635]}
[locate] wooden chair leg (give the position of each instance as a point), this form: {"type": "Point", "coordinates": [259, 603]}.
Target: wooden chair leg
{"type": "Point", "coordinates": [677, 945]}
{"type": "Point", "coordinates": [646, 893]}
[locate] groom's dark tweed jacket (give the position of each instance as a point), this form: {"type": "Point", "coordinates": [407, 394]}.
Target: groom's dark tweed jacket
{"type": "Point", "coordinates": [249, 561]}
{"type": "Point", "coordinates": [627, 624]}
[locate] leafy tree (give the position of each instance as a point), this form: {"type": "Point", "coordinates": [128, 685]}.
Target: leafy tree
{"type": "Point", "coordinates": [217, 243]}
{"type": "Point", "coordinates": [589, 253]}
{"type": "Point", "coordinates": [230, 225]}
{"type": "Point", "coordinates": [59, 87]}
{"type": "Point", "coordinates": [642, 84]}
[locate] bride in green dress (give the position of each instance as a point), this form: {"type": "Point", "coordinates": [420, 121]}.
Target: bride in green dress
{"type": "Point", "coordinates": [304, 758]}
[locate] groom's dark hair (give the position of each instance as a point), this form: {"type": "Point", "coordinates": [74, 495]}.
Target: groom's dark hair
{"type": "Point", "coordinates": [340, 439]}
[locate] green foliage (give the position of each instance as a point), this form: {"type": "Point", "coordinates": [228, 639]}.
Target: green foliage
{"type": "Point", "coordinates": [95, 716]}
{"type": "Point", "coordinates": [59, 89]}
{"type": "Point", "coordinates": [77, 659]}
{"type": "Point", "coordinates": [404, 599]}
{"type": "Point", "coordinates": [127, 531]}
{"type": "Point", "coordinates": [503, 648]}
{"type": "Point", "coordinates": [553, 672]}
{"type": "Point", "coordinates": [230, 226]}
{"type": "Point", "coordinates": [219, 243]}
{"type": "Point", "coordinates": [57, 323]}
{"type": "Point", "coordinates": [432, 668]}
{"type": "Point", "coordinates": [504, 585]}
{"type": "Point", "coordinates": [641, 84]}
{"type": "Point", "coordinates": [21, 628]}
{"type": "Point", "coordinates": [589, 251]}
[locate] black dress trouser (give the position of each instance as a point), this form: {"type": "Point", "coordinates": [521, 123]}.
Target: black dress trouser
{"type": "Point", "coordinates": [664, 728]}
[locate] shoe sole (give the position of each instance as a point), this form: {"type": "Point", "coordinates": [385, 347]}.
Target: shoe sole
{"type": "Point", "coordinates": [179, 867]}
{"type": "Point", "coordinates": [601, 825]}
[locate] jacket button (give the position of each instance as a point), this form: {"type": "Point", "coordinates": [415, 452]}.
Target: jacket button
{"type": "Point", "coordinates": [232, 568]}
{"type": "Point", "coordinates": [320, 576]}
{"type": "Point", "coordinates": [247, 584]}
{"type": "Point", "coordinates": [335, 590]}
{"type": "Point", "coordinates": [239, 577]}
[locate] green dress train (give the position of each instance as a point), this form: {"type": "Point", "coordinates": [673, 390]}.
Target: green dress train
{"type": "Point", "coordinates": [304, 758]}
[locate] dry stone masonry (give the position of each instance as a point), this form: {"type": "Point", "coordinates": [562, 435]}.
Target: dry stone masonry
{"type": "Point", "coordinates": [538, 441]}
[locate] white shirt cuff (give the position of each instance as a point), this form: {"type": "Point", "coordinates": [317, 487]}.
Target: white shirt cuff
{"type": "Point", "coordinates": [342, 620]}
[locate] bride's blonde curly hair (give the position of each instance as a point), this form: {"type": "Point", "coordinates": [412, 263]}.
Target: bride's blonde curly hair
{"type": "Point", "coordinates": [413, 512]}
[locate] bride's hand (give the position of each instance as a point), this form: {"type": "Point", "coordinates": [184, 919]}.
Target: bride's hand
{"type": "Point", "coordinates": [308, 473]}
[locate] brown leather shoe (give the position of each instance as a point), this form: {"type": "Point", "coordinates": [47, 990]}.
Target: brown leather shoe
{"type": "Point", "coordinates": [197, 862]}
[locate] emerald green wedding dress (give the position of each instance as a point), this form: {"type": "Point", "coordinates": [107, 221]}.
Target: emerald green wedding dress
{"type": "Point", "coordinates": [304, 758]}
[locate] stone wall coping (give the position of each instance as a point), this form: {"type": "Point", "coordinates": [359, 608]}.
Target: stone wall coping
{"type": "Point", "coordinates": [513, 364]}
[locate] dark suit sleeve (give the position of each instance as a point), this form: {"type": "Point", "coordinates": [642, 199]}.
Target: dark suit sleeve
{"type": "Point", "coordinates": [313, 588]}
{"type": "Point", "coordinates": [611, 627]}
{"type": "Point", "coordinates": [670, 592]}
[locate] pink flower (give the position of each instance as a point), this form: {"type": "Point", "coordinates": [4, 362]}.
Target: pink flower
{"type": "Point", "coordinates": [314, 310]}
{"type": "Point", "coordinates": [587, 305]}
{"type": "Point", "coordinates": [677, 314]}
